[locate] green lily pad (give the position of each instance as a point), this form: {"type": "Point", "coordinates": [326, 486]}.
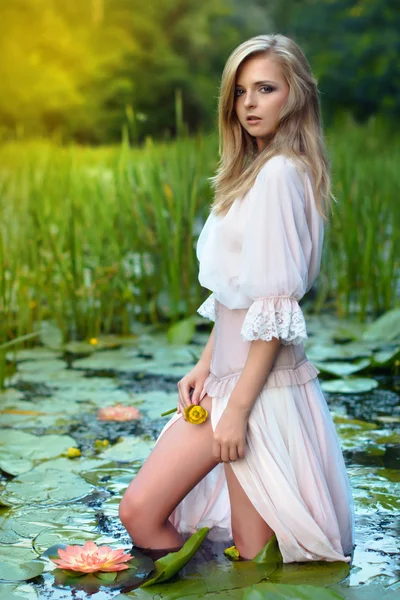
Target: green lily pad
{"type": "Point", "coordinates": [341, 369]}
{"type": "Point", "coordinates": [386, 327]}
{"type": "Point", "coordinates": [129, 449]}
{"type": "Point", "coordinates": [393, 438]}
{"type": "Point", "coordinates": [51, 537]}
{"type": "Point", "coordinates": [322, 573]}
{"type": "Point", "coordinates": [19, 453]}
{"type": "Point", "coordinates": [386, 357]}
{"type": "Point", "coordinates": [351, 385]}
{"type": "Point", "coordinates": [50, 335]}
{"type": "Point", "coordinates": [167, 566]}
{"type": "Point", "coordinates": [26, 523]}
{"type": "Point", "coordinates": [45, 366]}
{"type": "Point", "coordinates": [364, 425]}
{"type": "Point", "coordinates": [44, 487]}
{"type": "Point", "coordinates": [17, 564]}
{"type": "Point", "coordinates": [18, 591]}
{"type": "Point", "coordinates": [277, 591]}
{"type": "Point", "coordinates": [270, 553]}
{"type": "Point", "coordinates": [320, 352]}
{"type": "Point", "coordinates": [181, 332]}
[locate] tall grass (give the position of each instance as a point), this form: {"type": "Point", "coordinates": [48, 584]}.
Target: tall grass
{"type": "Point", "coordinates": [98, 238]}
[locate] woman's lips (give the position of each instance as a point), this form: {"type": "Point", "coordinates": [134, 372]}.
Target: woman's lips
{"type": "Point", "coordinates": [253, 121]}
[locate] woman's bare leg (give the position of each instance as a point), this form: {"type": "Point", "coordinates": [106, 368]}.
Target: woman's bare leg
{"type": "Point", "coordinates": [179, 460]}
{"type": "Point", "coordinates": [249, 530]}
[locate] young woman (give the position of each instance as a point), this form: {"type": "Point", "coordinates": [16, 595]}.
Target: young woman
{"type": "Point", "coordinates": [268, 459]}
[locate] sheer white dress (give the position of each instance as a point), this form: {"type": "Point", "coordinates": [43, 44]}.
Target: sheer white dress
{"type": "Point", "coordinates": [258, 261]}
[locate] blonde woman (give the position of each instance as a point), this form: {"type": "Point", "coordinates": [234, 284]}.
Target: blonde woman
{"type": "Point", "coordinates": [268, 459]}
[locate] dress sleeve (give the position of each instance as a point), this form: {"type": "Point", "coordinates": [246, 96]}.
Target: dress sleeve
{"type": "Point", "coordinates": [207, 309]}
{"type": "Point", "coordinates": [281, 252]}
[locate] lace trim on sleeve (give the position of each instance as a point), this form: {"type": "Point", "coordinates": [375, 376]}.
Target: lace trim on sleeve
{"type": "Point", "coordinates": [207, 309]}
{"type": "Point", "coordinates": [280, 317]}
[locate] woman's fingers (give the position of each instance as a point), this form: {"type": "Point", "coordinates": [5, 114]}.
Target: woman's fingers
{"type": "Point", "coordinates": [228, 452]}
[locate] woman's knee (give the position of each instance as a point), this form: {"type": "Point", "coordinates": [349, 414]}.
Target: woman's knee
{"type": "Point", "coordinates": [133, 508]}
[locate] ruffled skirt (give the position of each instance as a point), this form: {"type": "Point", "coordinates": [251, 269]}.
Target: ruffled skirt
{"type": "Point", "coordinates": [293, 472]}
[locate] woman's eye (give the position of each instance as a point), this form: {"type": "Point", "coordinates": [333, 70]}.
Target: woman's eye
{"type": "Point", "coordinates": [264, 87]}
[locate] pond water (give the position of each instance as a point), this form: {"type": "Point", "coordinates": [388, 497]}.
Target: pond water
{"type": "Point", "coordinates": [51, 404]}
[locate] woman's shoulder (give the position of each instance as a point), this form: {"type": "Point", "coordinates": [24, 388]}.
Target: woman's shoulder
{"type": "Point", "coordinates": [281, 165]}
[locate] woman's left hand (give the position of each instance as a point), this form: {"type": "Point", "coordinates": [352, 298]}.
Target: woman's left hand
{"type": "Point", "coordinates": [230, 435]}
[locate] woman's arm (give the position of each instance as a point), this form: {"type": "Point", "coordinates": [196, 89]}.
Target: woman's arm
{"type": "Point", "coordinates": [205, 358]}
{"type": "Point", "coordinates": [260, 359]}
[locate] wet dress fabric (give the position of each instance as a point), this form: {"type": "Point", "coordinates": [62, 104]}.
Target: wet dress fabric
{"type": "Point", "coordinates": [259, 260]}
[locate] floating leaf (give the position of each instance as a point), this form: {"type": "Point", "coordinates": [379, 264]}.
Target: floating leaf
{"type": "Point", "coordinates": [386, 357]}
{"type": "Point", "coordinates": [320, 352]}
{"type": "Point", "coordinates": [277, 591]}
{"type": "Point", "coordinates": [181, 332]}
{"type": "Point", "coordinates": [322, 573]}
{"type": "Point", "coordinates": [342, 368]}
{"type": "Point", "coordinates": [50, 335]}
{"type": "Point", "coordinates": [386, 327]}
{"type": "Point", "coordinates": [16, 564]}
{"type": "Point", "coordinates": [354, 422]}
{"type": "Point", "coordinates": [167, 566]}
{"type": "Point", "coordinates": [106, 576]}
{"type": "Point", "coordinates": [44, 487]}
{"type": "Point", "coordinates": [352, 385]}
{"type": "Point", "coordinates": [270, 553]}
{"type": "Point", "coordinates": [18, 454]}
{"type": "Point", "coordinates": [52, 537]}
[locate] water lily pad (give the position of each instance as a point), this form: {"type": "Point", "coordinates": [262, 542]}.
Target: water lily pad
{"type": "Point", "coordinates": [373, 489]}
{"type": "Point", "coordinates": [276, 591]}
{"type": "Point", "coordinates": [17, 564]}
{"type": "Point", "coordinates": [18, 591]}
{"type": "Point", "coordinates": [181, 332]}
{"type": "Point", "coordinates": [112, 476]}
{"type": "Point", "coordinates": [44, 366]}
{"type": "Point", "coordinates": [129, 449]}
{"type": "Point", "coordinates": [167, 566]}
{"type": "Point", "coordinates": [19, 453]}
{"type": "Point", "coordinates": [357, 423]}
{"type": "Point", "coordinates": [341, 369]}
{"type": "Point", "coordinates": [44, 487]}
{"type": "Point", "coordinates": [386, 327]}
{"type": "Point", "coordinates": [351, 385]}
{"type": "Point", "coordinates": [49, 538]}
{"type": "Point", "coordinates": [353, 350]}
{"type": "Point", "coordinates": [320, 573]}
{"type": "Point", "coordinates": [27, 523]}
{"type": "Point", "coordinates": [270, 553]}
{"type": "Point", "coordinates": [153, 403]}
{"type": "Point", "coordinates": [386, 357]}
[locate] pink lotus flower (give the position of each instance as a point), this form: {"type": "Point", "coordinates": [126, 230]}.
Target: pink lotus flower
{"type": "Point", "coordinates": [91, 558]}
{"type": "Point", "coordinates": [118, 412]}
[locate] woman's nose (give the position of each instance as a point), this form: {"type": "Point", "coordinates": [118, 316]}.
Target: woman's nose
{"type": "Point", "coordinates": [248, 100]}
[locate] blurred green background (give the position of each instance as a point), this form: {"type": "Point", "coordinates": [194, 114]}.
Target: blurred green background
{"type": "Point", "coordinates": [108, 129]}
{"type": "Point", "coordinates": [81, 70]}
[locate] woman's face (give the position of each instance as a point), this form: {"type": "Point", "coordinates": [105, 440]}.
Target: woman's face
{"type": "Point", "coordinates": [260, 90]}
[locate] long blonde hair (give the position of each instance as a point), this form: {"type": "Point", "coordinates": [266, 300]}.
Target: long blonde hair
{"type": "Point", "coordinates": [298, 134]}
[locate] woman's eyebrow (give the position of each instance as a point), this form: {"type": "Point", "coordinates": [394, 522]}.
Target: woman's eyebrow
{"type": "Point", "coordinates": [258, 83]}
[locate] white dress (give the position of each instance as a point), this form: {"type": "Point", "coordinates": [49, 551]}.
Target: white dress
{"type": "Point", "coordinates": [258, 261]}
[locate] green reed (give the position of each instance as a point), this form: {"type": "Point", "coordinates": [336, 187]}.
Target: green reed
{"type": "Point", "coordinates": [95, 239]}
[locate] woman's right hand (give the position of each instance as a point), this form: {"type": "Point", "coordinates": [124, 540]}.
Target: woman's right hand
{"type": "Point", "coordinates": [191, 385]}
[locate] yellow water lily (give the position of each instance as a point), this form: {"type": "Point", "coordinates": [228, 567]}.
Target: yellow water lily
{"type": "Point", "coordinates": [196, 414]}
{"type": "Point", "coordinates": [73, 452]}
{"type": "Point", "coordinates": [232, 553]}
